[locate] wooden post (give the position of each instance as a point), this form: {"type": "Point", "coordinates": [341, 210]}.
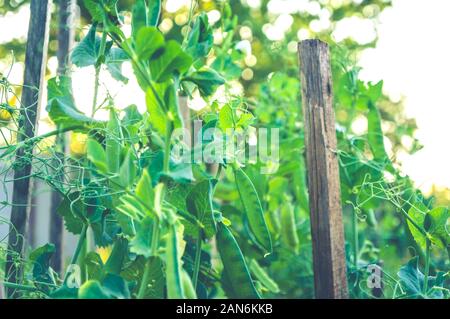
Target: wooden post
{"type": "Point", "coordinates": [65, 43]}
{"type": "Point", "coordinates": [323, 171]}
{"type": "Point", "coordinates": [35, 58]}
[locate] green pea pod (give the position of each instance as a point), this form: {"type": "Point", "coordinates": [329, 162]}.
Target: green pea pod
{"type": "Point", "coordinates": [253, 209]}
{"type": "Point", "coordinates": [113, 136]}
{"type": "Point", "coordinates": [188, 287]}
{"type": "Point", "coordinates": [234, 265]}
{"type": "Point", "coordinates": [173, 266]}
{"type": "Point", "coordinates": [288, 230]}
{"type": "Point", "coordinates": [263, 277]}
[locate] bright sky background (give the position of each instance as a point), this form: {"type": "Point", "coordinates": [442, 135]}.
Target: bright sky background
{"type": "Point", "coordinates": [412, 57]}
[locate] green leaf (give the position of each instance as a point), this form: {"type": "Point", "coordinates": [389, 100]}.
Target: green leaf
{"type": "Point", "coordinates": [148, 41]}
{"type": "Point", "coordinates": [141, 243]}
{"type": "Point", "coordinates": [95, 9]}
{"type": "Point", "coordinates": [158, 115]}
{"type": "Point", "coordinates": [41, 266]}
{"type": "Point", "coordinates": [144, 188]}
{"type": "Point", "coordinates": [139, 16]}
{"type": "Point", "coordinates": [412, 280]}
{"type": "Point", "coordinates": [94, 265]}
{"type": "Point", "coordinates": [115, 286]}
{"type": "Point", "coordinates": [61, 105]}
{"type": "Point", "coordinates": [92, 289]}
{"type": "Point", "coordinates": [375, 137]}
{"type": "Point", "coordinates": [114, 60]}
{"type": "Point", "coordinates": [85, 52]}
{"type": "Point", "coordinates": [97, 155]}
{"type": "Point", "coordinates": [117, 257]}
{"type": "Point", "coordinates": [172, 61]}
{"type": "Point", "coordinates": [199, 203]}
{"type": "Point", "coordinates": [200, 39]}
{"type": "Point", "coordinates": [435, 223]}
{"type": "Point", "coordinates": [226, 118]}
{"type": "Point", "coordinates": [207, 80]}
{"type": "Point", "coordinates": [70, 210]}
{"type": "Point", "coordinates": [375, 91]}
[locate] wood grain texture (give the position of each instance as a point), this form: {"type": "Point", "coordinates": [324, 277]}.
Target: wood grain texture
{"type": "Point", "coordinates": [323, 171]}
{"type": "Point", "coordinates": [35, 58]}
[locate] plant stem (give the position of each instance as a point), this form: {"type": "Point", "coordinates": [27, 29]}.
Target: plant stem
{"type": "Point", "coordinates": [98, 65]}
{"type": "Point", "coordinates": [427, 266]}
{"type": "Point", "coordinates": [355, 239]}
{"type": "Point", "coordinates": [18, 286]}
{"type": "Point", "coordinates": [198, 254]}
{"type": "Point", "coordinates": [167, 146]}
{"type": "Point", "coordinates": [80, 245]}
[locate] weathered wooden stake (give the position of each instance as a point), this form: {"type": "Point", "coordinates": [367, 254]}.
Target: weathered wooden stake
{"type": "Point", "coordinates": [36, 54]}
{"type": "Point", "coordinates": [323, 171]}
{"type": "Point", "coordinates": [65, 43]}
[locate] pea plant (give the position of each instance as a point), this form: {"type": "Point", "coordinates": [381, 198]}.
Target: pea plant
{"type": "Point", "coordinates": [172, 203]}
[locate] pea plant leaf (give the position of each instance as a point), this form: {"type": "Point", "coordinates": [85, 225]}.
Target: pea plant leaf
{"type": "Point", "coordinates": [148, 40]}
{"type": "Point", "coordinates": [41, 266]}
{"type": "Point", "coordinates": [172, 61]}
{"type": "Point", "coordinates": [144, 14]}
{"type": "Point", "coordinates": [139, 16]}
{"type": "Point", "coordinates": [206, 79]}
{"type": "Point", "coordinates": [412, 280]}
{"type": "Point", "coordinates": [435, 223]}
{"type": "Point", "coordinates": [70, 210]}
{"type": "Point", "coordinates": [87, 53]}
{"type": "Point", "coordinates": [100, 9]}
{"type": "Point", "coordinates": [141, 243]}
{"type": "Point", "coordinates": [114, 61]}
{"type": "Point", "coordinates": [375, 137]}
{"type": "Point", "coordinates": [199, 203]}
{"type": "Point", "coordinates": [200, 39]}
{"type": "Point", "coordinates": [61, 105]}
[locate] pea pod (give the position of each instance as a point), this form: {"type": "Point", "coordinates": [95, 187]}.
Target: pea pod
{"type": "Point", "coordinates": [234, 266]}
{"type": "Point", "coordinates": [173, 266]}
{"type": "Point", "coordinates": [253, 209]}
{"type": "Point", "coordinates": [263, 277]}
{"type": "Point", "coordinates": [113, 136]}
{"type": "Point", "coordinates": [288, 229]}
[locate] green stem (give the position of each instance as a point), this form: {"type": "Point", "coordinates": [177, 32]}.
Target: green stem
{"type": "Point", "coordinates": [355, 239]}
{"type": "Point", "coordinates": [80, 245]}
{"type": "Point", "coordinates": [427, 266]}
{"type": "Point", "coordinates": [198, 253]}
{"type": "Point", "coordinates": [98, 65]}
{"type": "Point", "coordinates": [18, 286]}
{"type": "Point", "coordinates": [167, 146]}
